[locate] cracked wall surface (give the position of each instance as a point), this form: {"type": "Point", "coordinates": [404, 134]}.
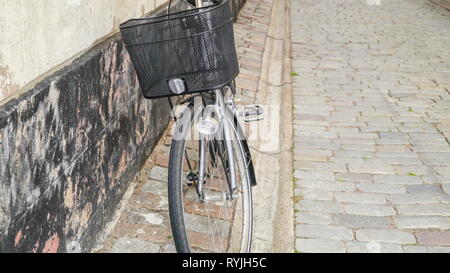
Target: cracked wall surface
{"type": "Point", "coordinates": [67, 147]}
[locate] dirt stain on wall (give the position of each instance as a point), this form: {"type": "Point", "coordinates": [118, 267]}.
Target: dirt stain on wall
{"type": "Point", "coordinates": [7, 87]}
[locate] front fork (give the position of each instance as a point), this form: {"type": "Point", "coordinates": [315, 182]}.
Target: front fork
{"type": "Point", "coordinates": [228, 134]}
{"type": "Point", "coordinates": [228, 141]}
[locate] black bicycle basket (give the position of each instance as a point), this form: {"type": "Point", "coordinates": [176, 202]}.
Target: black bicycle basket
{"type": "Point", "coordinates": [194, 47]}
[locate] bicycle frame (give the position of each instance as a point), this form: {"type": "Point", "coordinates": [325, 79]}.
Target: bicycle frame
{"type": "Point", "coordinates": [220, 104]}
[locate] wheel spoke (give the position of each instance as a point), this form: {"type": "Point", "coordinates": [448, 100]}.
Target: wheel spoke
{"type": "Point", "coordinates": [218, 223]}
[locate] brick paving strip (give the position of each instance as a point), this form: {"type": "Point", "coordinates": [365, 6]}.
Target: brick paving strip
{"type": "Point", "coordinates": [142, 224]}
{"type": "Point", "coordinates": [371, 125]}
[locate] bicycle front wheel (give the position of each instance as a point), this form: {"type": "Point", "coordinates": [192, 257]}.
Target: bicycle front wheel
{"type": "Point", "coordinates": [213, 222]}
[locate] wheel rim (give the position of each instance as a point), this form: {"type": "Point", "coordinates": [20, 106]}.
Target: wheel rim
{"type": "Point", "coordinates": [215, 225]}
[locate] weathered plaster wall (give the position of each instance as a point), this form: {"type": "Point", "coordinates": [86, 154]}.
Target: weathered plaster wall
{"type": "Point", "coordinates": [36, 36]}
{"type": "Point", "coordinates": [442, 3]}
{"type": "Point", "coordinates": [67, 147]}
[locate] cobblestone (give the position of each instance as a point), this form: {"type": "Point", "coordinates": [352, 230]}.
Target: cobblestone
{"type": "Point", "coordinates": [424, 198]}
{"type": "Point", "coordinates": [324, 232]}
{"type": "Point", "coordinates": [354, 177]}
{"type": "Point", "coordinates": [424, 209]}
{"type": "Point", "coordinates": [378, 168]}
{"type": "Point", "coordinates": [155, 187]}
{"type": "Point", "coordinates": [422, 222]}
{"type": "Point", "coordinates": [382, 188]}
{"type": "Point", "coordinates": [133, 245]}
{"type": "Point", "coordinates": [313, 218]}
{"type": "Point", "coordinates": [373, 247]}
{"type": "Point", "coordinates": [319, 246]}
{"type": "Point", "coordinates": [413, 189]}
{"type": "Point", "coordinates": [398, 179]}
{"type": "Point", "coordinates": [369, 210]}
{"type": "Point", "coordinates": [360, 198]}
{"type": "Point", "coordinates": [314, 194]}
{"type": "Point", "coordinates": [318, 175]}
{"type": "Point", "coordinates": [385, 235]}
{"type": "Point", "coordinates": [360, 221]}
{"type": "Point", "coordinates": [426, 249]}
{"type": "Point", "coordinates": [434, 238]}
{"type": "Point", "coordinates": [326, 185]}
{"type": "Point", "coordinates": [319, 206]}
{"type": "Point", "coordinates": [158, 173]}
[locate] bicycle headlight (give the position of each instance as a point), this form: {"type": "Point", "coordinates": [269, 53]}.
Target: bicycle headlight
{"type": "Point", "coordinates": [207, 126]}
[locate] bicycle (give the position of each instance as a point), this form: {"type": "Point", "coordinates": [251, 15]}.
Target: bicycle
{"type": "Point", "coordinates": [211, 173]}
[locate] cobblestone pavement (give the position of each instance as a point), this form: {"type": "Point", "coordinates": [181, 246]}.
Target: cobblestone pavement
{"type": "Point", "coordinates": [371, 125]}
{"type": "Point", "coordinates": [144, 224]}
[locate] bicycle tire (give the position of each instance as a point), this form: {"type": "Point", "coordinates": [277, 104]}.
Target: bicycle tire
{"type": "Point", "coordinates": [176, 189]}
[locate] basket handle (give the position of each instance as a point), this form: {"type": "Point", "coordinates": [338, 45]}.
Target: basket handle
{"type": "Point", "coordinates": [168, 8]}
{"type": "Point", "coordinates": [198, 4]}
